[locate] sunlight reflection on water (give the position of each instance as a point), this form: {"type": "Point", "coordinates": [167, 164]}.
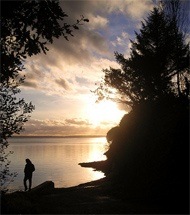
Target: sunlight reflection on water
{"type": "Point", "coordinates": [56, 159]}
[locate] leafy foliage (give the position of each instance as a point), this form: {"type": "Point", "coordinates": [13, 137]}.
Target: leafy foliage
{"type": "Point", "coordinates": [6, 176]}
{"type": "Point", "coordinates": [14, 113]}
{"type": "Point", "coordinates": [27, 27]}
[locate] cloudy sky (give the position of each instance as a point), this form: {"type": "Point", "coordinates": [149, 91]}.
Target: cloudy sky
{"type": "Point", "coordinates": [59, 84]}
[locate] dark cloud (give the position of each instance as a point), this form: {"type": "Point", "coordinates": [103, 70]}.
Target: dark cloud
{"type": "Point", "coordinates": [77, 122]}
{"type": "Point", "coordinates": [33, 73]}
{"type": "Point", "coordinates": [105, 123]}
{"type": "Point", "coordinates": [31, 84]}
{"type": "Point", "coordinates": [63, 83]}
{"type": "Point", "coordinates": [87, 45]}
{"type": "Point", "coordinates": [36, 70]}
{"type": "Point", "coordinates": [79, 49]}
{"type": "Point", "coordinates": [82, 81]}
{"type": "Point", "coordinates": [75, 9]}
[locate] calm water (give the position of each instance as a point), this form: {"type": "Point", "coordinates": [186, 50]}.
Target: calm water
{"type": "Point", "coordinates": [56, 159]}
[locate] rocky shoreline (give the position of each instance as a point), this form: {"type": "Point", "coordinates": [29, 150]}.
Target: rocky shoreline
{"type": "Point", "coordinates": [103, 196]}
{"type": "Point", "coordinates": [94, 197]}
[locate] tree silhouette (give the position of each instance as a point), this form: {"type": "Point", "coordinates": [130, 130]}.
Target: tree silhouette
{"type": "Point", "coordinates": [158, 59]}
{"type": "Point", "coordinates": [149, 149]}
{"type": "Point", "coordinates": [26, 29]}
{"type": "Point", "coordinates": [14, 113]}
{"type": "Point", "coordinates": [175, 12]}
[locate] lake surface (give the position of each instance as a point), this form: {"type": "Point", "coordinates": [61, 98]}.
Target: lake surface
{"type": "Point", "coordinates": [56, 159]}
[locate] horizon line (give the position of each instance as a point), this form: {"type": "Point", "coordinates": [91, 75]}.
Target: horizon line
{"type": "Point", "coordinates": [64, 136]}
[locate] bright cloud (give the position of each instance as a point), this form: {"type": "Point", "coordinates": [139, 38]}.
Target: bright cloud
{"type": "Point", "coordinates": [137, 9]}
{"type": "Point", "coordinates": [97, 22]}
{"type": "Point", "coordinates": [122, 40]}
{"type": "Point", "coordinates": [63, 83]}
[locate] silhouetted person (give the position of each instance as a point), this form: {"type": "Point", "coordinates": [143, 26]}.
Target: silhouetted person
{"type": "Point", "coordinates": [28, 170]}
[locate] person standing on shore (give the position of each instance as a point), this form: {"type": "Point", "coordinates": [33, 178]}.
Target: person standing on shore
{"type": "Point", "coordinates": [28, 170]}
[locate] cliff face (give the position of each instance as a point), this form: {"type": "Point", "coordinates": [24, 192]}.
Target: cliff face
{"type": "Point", "coordinates": [149, 150]}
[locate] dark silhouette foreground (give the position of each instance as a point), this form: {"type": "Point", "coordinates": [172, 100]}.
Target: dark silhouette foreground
{"type": "Point", "coordinates": [147, 170]}
{"type": "Point", "coordinates": [97, 197]}
{"type": "Point", "coordinates": [28, 170]}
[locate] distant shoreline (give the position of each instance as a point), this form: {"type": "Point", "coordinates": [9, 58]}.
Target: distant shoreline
{"type": "Point", "coordinates": [71, 136]}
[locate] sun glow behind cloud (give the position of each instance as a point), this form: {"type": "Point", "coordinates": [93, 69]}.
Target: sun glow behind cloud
{"type": "Point", "coordinates": [105, 112]}
{"type": "Point", "coordinates": [59, 83]}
